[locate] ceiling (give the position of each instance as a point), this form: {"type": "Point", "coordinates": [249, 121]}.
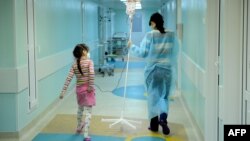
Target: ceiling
{"type": "Point", "coordinates": [146, 4]}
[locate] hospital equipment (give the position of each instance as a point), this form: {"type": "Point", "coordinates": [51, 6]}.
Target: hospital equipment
{"type": "Point", "coordinates": [130, 10]}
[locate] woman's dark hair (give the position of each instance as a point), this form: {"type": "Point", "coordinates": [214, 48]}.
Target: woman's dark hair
{"type": "Point", "coordinates": [158, 20]}
{"type": "Point", "coordinates": [79, 48]}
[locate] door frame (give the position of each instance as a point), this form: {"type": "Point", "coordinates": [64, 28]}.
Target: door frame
{"type": "Point", "coordinates": [212, 71]}
{"type": "Point", "coordinates": [230, 64]}
{"type": "Point", "coordinates": [246, 65]}
{"type": "Point", "coordinates": [31, 49]}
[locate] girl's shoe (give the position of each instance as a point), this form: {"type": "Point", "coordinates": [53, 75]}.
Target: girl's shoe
{"type": "Point", "coordinates": [79, 129]}
{"type": "Point", "coordinates": [87, 139]}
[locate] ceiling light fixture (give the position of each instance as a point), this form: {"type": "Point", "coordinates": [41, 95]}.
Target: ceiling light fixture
{"type": "Point", "coordinates": [138, 4]}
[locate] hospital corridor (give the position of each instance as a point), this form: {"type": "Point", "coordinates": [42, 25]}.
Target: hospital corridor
{"type": "Point", "coordinates": [198, 63]}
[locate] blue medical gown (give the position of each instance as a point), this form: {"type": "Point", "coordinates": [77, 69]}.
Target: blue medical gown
{"type": "Point", "coordinates": [160, 52]}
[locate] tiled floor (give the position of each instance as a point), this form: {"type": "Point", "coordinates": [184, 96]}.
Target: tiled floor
{"type": "Point", "coordinates": [109, 104]}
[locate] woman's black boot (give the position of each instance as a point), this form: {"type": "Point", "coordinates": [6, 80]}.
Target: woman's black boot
{"type": "Point", "coordinates": [164, 124]}
{"type": "Point", "coordinates": [154, 124]}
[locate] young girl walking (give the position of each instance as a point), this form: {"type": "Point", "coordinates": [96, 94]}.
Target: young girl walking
{"type": "Point", "coordinates": [83, 69]}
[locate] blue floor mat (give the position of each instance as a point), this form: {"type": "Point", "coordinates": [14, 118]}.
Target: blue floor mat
{"type": "Point", "coordinates": [133, 92]}
{"type": "Point", "coordinates": [73, 137]}
{"type": "Point", "coordinates": [148, 139]}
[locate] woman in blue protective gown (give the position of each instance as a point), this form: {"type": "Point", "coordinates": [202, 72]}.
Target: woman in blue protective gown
{"type": "Point", "coordinates": [159, 48]}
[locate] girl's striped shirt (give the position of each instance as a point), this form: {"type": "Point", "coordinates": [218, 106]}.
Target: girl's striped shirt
{"type": "Point", "coordinates": [87, 77]}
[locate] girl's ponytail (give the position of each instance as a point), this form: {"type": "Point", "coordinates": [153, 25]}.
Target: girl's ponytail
{"type": "Point", "coordinates": [78, 54]}
{"type": "Point", "coordinates": [79, 66]}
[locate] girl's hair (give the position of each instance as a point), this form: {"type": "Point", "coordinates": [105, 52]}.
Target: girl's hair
{"type": "Point", "coordinates": [78, 51]}
{"type": "Point", "coordinates": [158, 20]}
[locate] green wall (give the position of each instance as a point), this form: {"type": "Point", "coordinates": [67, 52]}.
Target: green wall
{"type": "Point", "coordinates": [194, 99]}
{"type": "Point", "coordinates": [193, 59]}
{"type": "Point", "coordinates": [194, 18]}
{"type": "Point", "coordinates": [48, 89]}
{"type": "Point", "coordinates": [8, 116]}
{"type": "Point", "coordinates": [20, 32]}
{"type": "Point", "coordinates": [57, 24]}
{"type": "Point", "coordinates": [121, 21]}
{"type": "Point", "coordinates": [7, 61]}
{"type": "Point", "coordinates": [7, 35]}
{"type": "Point", "coordinates": [90, 30]}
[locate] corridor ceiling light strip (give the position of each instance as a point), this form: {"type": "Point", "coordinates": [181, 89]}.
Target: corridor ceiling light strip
{"type": "Point", "coordinates": [137, 6]}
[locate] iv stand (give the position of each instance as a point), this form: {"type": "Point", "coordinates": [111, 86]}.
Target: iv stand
{"type": "Point", "coordinates": [122, 120]}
